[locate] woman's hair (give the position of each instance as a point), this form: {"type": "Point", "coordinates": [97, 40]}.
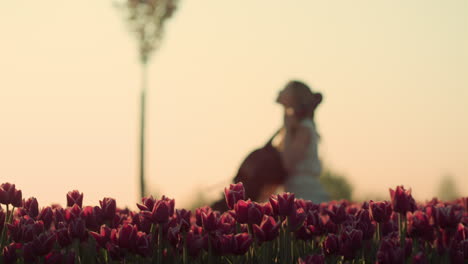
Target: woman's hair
{"type": "Point", "coordinates": [305, 100]}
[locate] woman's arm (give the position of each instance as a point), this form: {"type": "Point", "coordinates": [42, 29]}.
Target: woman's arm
{"type": "Point", "coordinates": [296, 147]}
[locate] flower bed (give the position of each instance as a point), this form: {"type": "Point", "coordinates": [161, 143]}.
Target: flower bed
{"type": "Point", "coordinates": [283, 230]}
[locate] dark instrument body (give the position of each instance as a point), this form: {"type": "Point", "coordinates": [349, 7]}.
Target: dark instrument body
{"type": "Point", "coordinates": [260, 170]}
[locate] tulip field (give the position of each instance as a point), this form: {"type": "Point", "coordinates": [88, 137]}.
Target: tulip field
{"type": "Point", "coordinates": [282, 230]}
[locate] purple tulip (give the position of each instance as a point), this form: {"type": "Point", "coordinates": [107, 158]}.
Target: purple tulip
{"type": "Point", "coordinates": [235, 193]}
{"type": "Point", "coordinates": [222, 244]}
{"type": "Point", "coordinates": [162, 210]}
{"type": "Point", "coordinates": [2, 219]}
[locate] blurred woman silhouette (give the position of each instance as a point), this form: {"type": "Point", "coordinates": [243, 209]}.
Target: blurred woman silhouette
{"type": "Point", "coordinates": [300, 142]}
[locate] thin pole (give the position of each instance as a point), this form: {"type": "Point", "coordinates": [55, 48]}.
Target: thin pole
{"type": "Point", "coordinates": [144, 85]}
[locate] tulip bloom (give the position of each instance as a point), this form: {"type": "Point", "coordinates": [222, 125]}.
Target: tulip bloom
{"type": "Point", "coordinates": [74, 197]}
{"type": "Point", "coordinates": [381, 211]}
{"type": "Point", "coordinates": [9, 195]}
{"type": "Point", "coordinates": [235, 193]}
{"type": "Point", "coordinates": [402, 201]}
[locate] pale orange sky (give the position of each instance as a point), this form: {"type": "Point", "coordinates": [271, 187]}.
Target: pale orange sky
{"type": "Point", "coordinates": [393, 73]}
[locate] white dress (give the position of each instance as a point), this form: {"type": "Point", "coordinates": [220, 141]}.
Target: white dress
{"type": "Point", "coordinates": [304, 180]}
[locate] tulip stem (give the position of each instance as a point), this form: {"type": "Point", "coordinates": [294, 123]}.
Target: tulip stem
{"type": "Point", "coordinates": [184, 253]}
{"type": "Point", "coordinates": [160, 243]}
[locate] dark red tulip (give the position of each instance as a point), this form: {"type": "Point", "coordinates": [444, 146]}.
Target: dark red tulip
{"type": "Point", "coordinates": [2, 219]}
{"type": "Point", "coordinates": [402, 201]}
{"type": "Point", "coordinates": [198, 214]}
{"type": "Point", "coordinates": [103, 236]}
{"type": "Point", "coordinates": [143, 244]}
{"type": "Point", "coordinates": [162, 210]}
{"type": "Point", "coordinates": [267, 209]}
{"type": "Point", "coordinates": [148, 203]}
{"type": "Point", "coordinates": [9, 253]}
{"type": "Point", "coordinates": [314, 219]}
{"type": "Point", "coordinates": [337, 213]}
{"type": "Point", "coordinates": [71, 213]}
{"type": "Point", "coordinates": [267, 231]}
{"type": "Point", "coordinates": [31, 229]}
{"type": "Point", "coordinates": [306, 205]}
{"type": "Point", "coordinates": [92, 217]}
{"type": "Point", "coordinates": [10, 195]}
{"type": "Point", "coordinates": [183, 218]}
{"type": "Point", "coordinates": [173, 235]}
{"type": "Point", "coordinates": [254, 213]}
{"type": "Point", "coordinates": [210, 221]}
{"type": "Point", "coordinates": [242, 209]}
{"type": "Point", "coordinates": [296, 220]}
{"type": "Point", "coordinates": [63, 236]}
{"type": "Point", "coordinates": [381, 211]}
{"type": "Point", "coordinates": [235, 193]}
{"type": "Point", "coordinates": [447, 217]}
{"type": "Point", "coordinates": [115, 252]}
{"type": "Point", "coordinates": [74, 197]}
{"type": "Point", "coordinates": [313, 259]}
{"type": "Point", "coordinates": [30, 207]}
{"type": "Point", "coordinates": [331, 245]}
{"type": "Point", "coordinates": [420, 258]}
{"type": "Point", "coordinates": [125, 236]}
{"type": "Point", "coordinates": [108, 207]}
{"type": "Point", "coordinates": [274, 204]}
{"type": "Point", "coordinates": [43, 243]}
{"type": "Point", "coordinates": [363, 222]}
{"type": "Point", "coordinates": [222, 244]}
{"type": "Point", "coordinates": [54, 258]}
{"type": "Point", "coordinates": [28, 253]}
{"type": "Point", "coordinates": [47, 216]}
{"type": "Point", "coordinates": [143, 223]}
{"type": "Point", "coordinates": [77, 229]}
{"type": "Point", "coordinates": [286, 204]}
{"type": "Point", "coordinates": [350, 243]}
{"type": "Point", "coordinates": [227, 224]}
{"type": "Point", "coordinates": [419, 226]}
{"type": "Point", "coordinates": [241, 243]}
{"type": "Point", "coordinates": [195, 243]}
{"type": "Point", "coordinates": [390, 253]}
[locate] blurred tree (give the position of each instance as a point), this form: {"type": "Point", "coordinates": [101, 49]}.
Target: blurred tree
{"type": "Point", "coordinates": [447, 188]}
{"type": "Point", "coordinates": [336, 185]}
{"type": "Point", "coordinates": [146, 20]}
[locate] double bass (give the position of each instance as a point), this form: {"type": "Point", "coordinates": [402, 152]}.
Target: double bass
{"type": "Point", "coordinates": [261, 170]}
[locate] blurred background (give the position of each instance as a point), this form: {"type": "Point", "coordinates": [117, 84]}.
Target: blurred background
{"type": "Point", "coordinates": [393, 75]}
